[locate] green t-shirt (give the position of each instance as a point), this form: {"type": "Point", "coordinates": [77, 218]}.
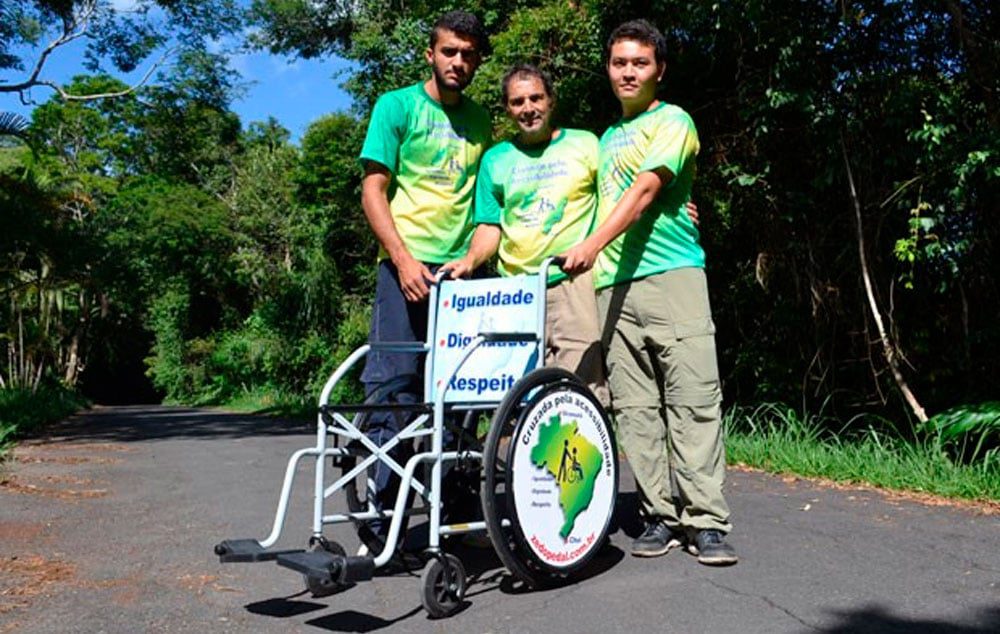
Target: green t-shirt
{"type": "Point", "coordinates": [543, 197]}
{"type": "Point", "coordinates": [664, 237]}
{"type": "Point", "coordinates": [433, 152]}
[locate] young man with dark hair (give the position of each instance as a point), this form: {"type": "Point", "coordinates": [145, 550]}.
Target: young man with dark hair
{"type": "Point", "coordinates": [420, 156]}
{"type": "Point", "coordinates": [657, 324]}
{"type": "Point", "coordinates": [464, 24]}
{"type": "Point", "coordinates": [535, 198]}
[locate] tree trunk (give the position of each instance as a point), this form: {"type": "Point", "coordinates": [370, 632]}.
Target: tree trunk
{"type": "Point", "coordinates": [888, 348]}
{"type": "Point", "coordinates": [69, 378]}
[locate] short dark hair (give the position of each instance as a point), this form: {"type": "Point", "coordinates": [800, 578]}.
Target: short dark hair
{"type": "Point", "coordinates": [525, 71]}
{"type": "Point", "coordinates": [639, 31]}
{"type": "Point", "coordinates": [465, 24]}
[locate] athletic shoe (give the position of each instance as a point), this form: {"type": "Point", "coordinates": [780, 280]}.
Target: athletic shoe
{"type": "Point", "coordinates": [711, 548]}
{"type": "Point", "coordinates": [656, 540]}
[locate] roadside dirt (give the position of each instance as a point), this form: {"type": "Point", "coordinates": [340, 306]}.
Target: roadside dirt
{"type": "Point", "coordinates": [985, 507]}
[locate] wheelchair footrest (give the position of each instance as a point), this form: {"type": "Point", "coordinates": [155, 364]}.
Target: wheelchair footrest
{"type": "Point", "coordinates": [328, 566]}
{"type": "Point", "coordinates": [246, 550]}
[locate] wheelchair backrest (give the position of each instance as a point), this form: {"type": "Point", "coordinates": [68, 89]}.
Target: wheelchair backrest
{"type": "Point", "coordinates": [466, 308]}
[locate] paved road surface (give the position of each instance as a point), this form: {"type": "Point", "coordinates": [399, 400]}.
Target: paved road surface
{"type": "Point", "coordinates": [108, 526]}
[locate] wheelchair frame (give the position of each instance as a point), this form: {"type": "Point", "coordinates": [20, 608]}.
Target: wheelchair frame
{"type": "Point", "coordinates": [327, 568]}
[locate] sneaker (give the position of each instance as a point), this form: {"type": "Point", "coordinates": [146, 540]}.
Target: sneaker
{"type": "Point", "coordinates": [656, 540]}
{"type": "Point", "coordinates": [711, 548]}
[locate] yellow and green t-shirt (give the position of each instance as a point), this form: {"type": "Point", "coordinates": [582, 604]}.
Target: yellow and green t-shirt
{"type": "Point", "coordinates": [433, 152]}
{"type": "Point", "coordinates": [543, 197]}
{"type": "Point", "coordinates": [664, 238]}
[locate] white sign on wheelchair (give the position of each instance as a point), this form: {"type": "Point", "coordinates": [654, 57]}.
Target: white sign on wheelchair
{"type": "Point", "coordinates": [467, 308]}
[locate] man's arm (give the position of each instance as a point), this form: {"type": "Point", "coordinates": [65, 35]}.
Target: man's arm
{"type": "Point", "coordinates": [413, 275]}
{"type": "Point", "coordinates": [485, 242]}
{"type": "Point", "coordinates": [630, 207]}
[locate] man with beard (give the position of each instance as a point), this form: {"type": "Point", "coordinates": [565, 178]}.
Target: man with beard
{"type": "Point", "coordinates": [420, 156]}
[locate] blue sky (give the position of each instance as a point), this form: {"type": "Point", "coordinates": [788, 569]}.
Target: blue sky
{"type": "Point", "coordinates": [294, 91]}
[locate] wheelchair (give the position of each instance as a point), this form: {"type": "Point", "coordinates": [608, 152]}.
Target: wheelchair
{"type": "Point", "coordinates": [547, 468]}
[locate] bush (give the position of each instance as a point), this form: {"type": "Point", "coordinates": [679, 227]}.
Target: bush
{"type": "Point", "coordinates": [23, 411]}
{"type": "Point", "coordinates": [168, 316]}
{"type": "Point", "coordinates": [970, 432]}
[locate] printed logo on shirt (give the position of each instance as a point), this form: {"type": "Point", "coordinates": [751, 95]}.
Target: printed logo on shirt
{"type": "Point", "coordinates": [538, 171]}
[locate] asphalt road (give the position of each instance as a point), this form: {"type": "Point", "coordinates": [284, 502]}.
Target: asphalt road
{"type": "Point", "coordinates": [108, 526]}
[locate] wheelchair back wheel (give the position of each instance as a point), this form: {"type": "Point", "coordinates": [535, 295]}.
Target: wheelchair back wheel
{"type": "Point", "coordinates": [551, 477]}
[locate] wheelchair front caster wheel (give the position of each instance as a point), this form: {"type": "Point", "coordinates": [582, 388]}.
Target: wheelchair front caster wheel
{"type": "Point", "coordinates": [443, 585]}
{"type": "Point", "coordinates": [326, 587]}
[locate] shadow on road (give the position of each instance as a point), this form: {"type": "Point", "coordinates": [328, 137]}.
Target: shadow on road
{"type": "Point", "coordinates": [353, 621]}
{"type": "Point", "coordinates": [874, 619]}
{"type": "Point", "coordinates": [626, 518]}
{"type": "Point", "coordinates": [485, 574]}
{"type": "Point", "coordinates": [283, 607]}
{"type": "Point", "coordinates": [140, 423]}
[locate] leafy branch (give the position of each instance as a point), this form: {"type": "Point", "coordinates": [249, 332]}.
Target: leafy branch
{"type": "Point", "coordinates": [75, 25]}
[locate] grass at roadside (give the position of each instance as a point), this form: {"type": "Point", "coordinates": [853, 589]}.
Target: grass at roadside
{"type": "Point", "coordinates": [271, 402]}
{"type": "Point", "coordinates": [23, 411]}
{"type": "Point", "coordinates": [779, 440]}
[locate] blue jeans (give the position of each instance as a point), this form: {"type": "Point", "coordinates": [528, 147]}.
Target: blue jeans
{"type": "Point", "coordinates": [393, 377]}
{"type": "Point", "coordinates": [397, 320]}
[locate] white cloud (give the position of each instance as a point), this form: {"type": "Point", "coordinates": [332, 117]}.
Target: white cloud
{"type": "Point", "coordinates": [242, 64]}
{"type": "Point", "coordinates": [124, 6]}
{"type": "Point", "coordinates": [284, 65]}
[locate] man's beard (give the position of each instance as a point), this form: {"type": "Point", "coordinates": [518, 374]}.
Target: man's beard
{"type": "Point", "coordinates": [457, 85]}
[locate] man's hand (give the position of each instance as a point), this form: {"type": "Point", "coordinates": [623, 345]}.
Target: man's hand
{"type": "Point", "coordinates": [580, 258]}
{"type": "Point", "coordinates": [463, 267]}
{"type": "Point", "coordinates": [414, 278]}
{"type": "Point", "coordinates": [692, 211]}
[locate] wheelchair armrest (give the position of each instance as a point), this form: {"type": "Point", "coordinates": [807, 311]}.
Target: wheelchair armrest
{"type": "Point", "coordinates": [415, 408]}
{"type": "Point", "coordinates": [399, 346]}
{"type": "Point", "coordinates": [516, 337]}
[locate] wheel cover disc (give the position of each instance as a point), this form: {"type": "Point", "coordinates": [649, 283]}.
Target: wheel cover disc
{"type": "Point", "coordinates": [563, 472]}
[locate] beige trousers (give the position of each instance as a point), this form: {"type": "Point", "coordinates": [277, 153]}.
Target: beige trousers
{"type": "Point", "coordinates": [664, 379]}
{"type": "Point", "coordinates": [572, 332]}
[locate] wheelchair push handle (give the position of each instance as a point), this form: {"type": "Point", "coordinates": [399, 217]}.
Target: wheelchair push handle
{"type": "Point", "coordinates": [555, 260]}
{"type": "Point", "coordinates": [547, 263]}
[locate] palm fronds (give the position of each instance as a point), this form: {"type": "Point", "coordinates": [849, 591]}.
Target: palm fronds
{"type": "Point", "coordinates": [13, 124]}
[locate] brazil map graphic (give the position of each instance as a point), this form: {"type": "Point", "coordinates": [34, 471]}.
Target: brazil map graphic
{"type": "Point", "coordinates": [573, 461]}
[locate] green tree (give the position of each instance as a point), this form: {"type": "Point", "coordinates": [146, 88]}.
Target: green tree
{"type": "Point", "coordinates": [47, 295]}
{"type": "Point", "coordinates": [96, 228]}
{"type": "Point", "coordinates": [328, 184]}
{"type": "Point", "coordinates": [117, 38]}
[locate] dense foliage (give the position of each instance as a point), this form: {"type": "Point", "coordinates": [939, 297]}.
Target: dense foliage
{"type": "Point", "coordinates": [23, 411]}
{"type": "Point", "coordinates": [158, 226]}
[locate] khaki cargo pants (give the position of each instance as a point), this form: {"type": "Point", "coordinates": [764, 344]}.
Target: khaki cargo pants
{"type": "Point", "coordinates": [664, 378]}
{"type": "Point", "coordinates": [573, 333]}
